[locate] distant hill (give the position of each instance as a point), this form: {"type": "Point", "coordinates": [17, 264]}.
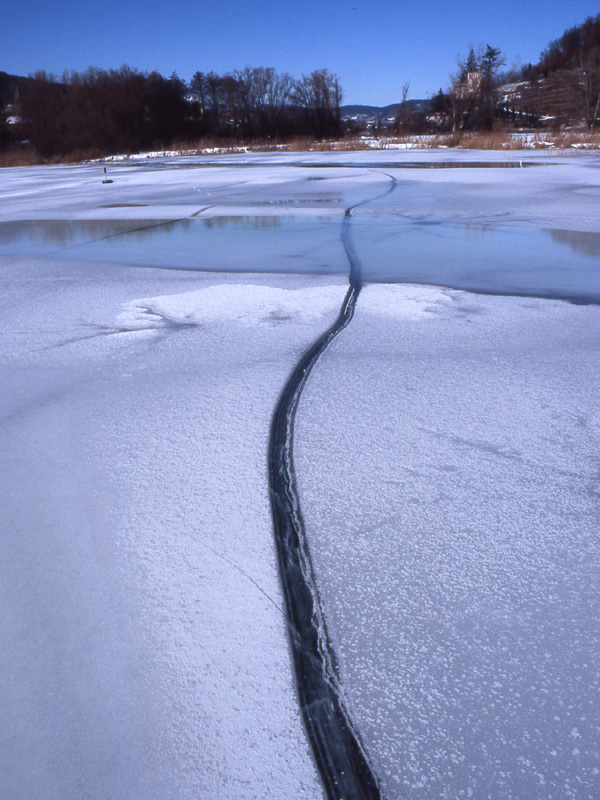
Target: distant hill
{"type": "Point", "coordinates": [563, 88]}
{"type": "Point", "coordinates": [577, 48]}
{"type": "Point", "coordinates": [381, 112]}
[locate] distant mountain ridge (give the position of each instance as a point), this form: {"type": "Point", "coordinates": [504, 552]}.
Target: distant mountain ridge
{"type": "Point", "coordinates": [381, 112]}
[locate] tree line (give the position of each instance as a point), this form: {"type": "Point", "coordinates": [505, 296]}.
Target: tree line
{"type": "Point", "coordinates": [261, 103]}
{"type": "Point", "coordinates": [126, 110]}
{"type": "Point", "coordinates": [578, 47]}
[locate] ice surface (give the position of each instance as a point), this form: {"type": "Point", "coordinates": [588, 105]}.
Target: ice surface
{"type": "Point", "coordinates": [144, 649]}
{"type": "Point", "coordinates": [447, 455]}
{"type": "Point", "coordinates": [448, 470]}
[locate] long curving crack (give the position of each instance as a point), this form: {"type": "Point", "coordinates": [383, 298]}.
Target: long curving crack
{"type": "Point", "coordinates": [341, 758]}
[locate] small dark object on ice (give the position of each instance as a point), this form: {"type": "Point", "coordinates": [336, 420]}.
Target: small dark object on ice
{"type": "Point", "coordinates": [106, 178]}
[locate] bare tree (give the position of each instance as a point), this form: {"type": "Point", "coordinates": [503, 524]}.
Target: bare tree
{"type": "Point", "coordinates": [401, 123]}
{"type": "Point", "coordinates": [273, 93]}
{"type": "Point", "coordinates": [320, 95]}
{"type": "Point", "coordinates": [262, 94]}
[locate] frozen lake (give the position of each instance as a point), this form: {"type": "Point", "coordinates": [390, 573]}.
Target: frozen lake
{"type": "Point", "coordinates": [445, 453]}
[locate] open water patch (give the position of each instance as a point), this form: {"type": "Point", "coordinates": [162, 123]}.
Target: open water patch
{"type": "Point", "coordinates": [489, 259]}
{"type": "Point", "coordinates": [261, 243]}
{"type": "Point", "coordinates": [39, 237]}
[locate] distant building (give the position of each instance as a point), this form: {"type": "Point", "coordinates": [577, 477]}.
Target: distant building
{"type": "Point", "coordinates": [470, 86]}
{"type": "Point", "coordinates": [439, 120]}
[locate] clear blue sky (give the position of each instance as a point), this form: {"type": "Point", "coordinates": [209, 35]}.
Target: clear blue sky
{"type": "Point", "coordinates": [374, 47]}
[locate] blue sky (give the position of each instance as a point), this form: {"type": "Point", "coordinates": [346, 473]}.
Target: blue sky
{"type": "Point", "coordinates": [374, 47]}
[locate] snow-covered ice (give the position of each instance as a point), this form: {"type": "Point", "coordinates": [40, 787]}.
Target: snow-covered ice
{"type": "Point", "coordinates": [446, 453]}
{"type": "Point", "coordinates": [452, 507]}
{"type": "Point", "coordinates": [144, 646]}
